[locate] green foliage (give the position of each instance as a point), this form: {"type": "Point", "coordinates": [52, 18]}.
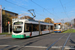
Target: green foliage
{"type": "Point", "coordinates": [5, 33]}
{"type": "Point", "coordinates": [67, 23]}
{"type": "Point", "coordinates": [48, 20]}
{"type": "Point", "coordinates": [5, 18]}
{"type": "Point", "coordinates": [70, 31]}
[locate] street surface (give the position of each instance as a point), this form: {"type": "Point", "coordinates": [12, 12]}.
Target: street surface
{"type": "Point", "coordinates": [55, 41]}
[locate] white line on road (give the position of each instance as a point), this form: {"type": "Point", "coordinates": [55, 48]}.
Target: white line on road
{"type": "Point", "coordinates": [4, 45]}
{"type": "Point", "coordinates": [69, 47]}
{"type": "Point", "coordinates": [37, 46]}
{"type": "Point", "coordinates": [25, 46]}
{"type": "Point", "coordinates": [66, 47]}
{"type": "Point", "coordinates": [56, 47]}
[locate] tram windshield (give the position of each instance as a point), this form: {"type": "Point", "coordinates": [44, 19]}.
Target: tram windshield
{"type": "Point", "coordinates": [18, 23]}
{"type": "Point", "coordinates": [57, 27]}
{"type": "Point", "coordinates": [17, 29]}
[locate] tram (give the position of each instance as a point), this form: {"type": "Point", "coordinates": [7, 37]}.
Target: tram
{"type": "Point", "coordinates": [59, 27]}
{"type": "Point", "coordinates": [24, 28]}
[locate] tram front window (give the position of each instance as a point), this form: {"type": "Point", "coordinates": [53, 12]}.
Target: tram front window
{"type": "Point", "coordinates": [57, 27]}
{"type": "Point", "coordinates": [17, 29]}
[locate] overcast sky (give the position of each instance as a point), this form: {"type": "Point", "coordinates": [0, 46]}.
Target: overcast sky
{"type": "Point", "coordinates": [56, 9]}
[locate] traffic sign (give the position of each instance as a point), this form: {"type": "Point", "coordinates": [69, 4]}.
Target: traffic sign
{"type": "Point", "coordinates": [8, 22]}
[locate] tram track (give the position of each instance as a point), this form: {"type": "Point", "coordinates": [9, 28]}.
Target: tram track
{"type": "Point", "coordinates": [62, 46]}
{"type": "Point", "coordinates": [55, 42]}
{"type": "Point", "coordinates": [66, 41]}
{"type": "Point", "coordinates": [28, 42]}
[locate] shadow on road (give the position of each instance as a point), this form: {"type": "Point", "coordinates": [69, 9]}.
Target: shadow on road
{"type": "Point", "coordinates": [72, 41]}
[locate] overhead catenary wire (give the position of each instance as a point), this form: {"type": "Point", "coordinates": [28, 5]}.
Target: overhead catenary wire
{"type": "Point", "coordinates": [27, 8]}
{"type": "Point", "coordinates": [20, 6]}
{"type": "Point", "coordinates": [15, 4]}
{"type": "Point", "coordinates": [63, 8]}
{"type": "Point", "coordinates": [44, 8]}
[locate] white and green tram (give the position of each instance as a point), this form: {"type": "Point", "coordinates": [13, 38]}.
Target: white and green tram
{"type": "Point", "coordinates": [23, 28]}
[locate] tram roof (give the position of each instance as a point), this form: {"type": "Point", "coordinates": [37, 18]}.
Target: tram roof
{"type": "Point", "coordinates": [34, 21]}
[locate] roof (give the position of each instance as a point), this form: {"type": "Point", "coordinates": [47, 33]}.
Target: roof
{"type": "Point", "coordinates": [34, 21]}
{"type": "Point", "coordinates": [10, 12]}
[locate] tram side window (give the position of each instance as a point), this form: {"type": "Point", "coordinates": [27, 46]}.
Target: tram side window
{"type": "Point", "coordinates": [35, 27]}
{"type": "Point", "coordinates": [51, 28]}
{"type": "Point", "coordinates": [27, 27]}
{"type": "Point", "coordinates": [54, 26]}
{"type": "Point", "coordinates": [43, 27]}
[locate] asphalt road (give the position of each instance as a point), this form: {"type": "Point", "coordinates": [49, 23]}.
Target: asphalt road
{"type": "Point", "coordinates": [58, 41]}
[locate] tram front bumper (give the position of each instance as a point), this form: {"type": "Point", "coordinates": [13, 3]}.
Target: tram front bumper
{"type": "Point", "coordinates": [18, 36]}
{"type": "Point", "coordinates": [57, 31]}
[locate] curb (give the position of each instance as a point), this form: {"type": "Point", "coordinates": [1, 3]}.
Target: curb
{"type": "Point", "coordinates": [2, 35]}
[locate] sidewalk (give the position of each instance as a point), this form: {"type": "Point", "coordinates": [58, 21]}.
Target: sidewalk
{"type": "Point", "coordinates": [5, 36]}
{"type": "Point", "coordinates": [2, 35]}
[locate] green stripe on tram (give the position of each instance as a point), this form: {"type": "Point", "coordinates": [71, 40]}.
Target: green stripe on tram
{"type": "Point", "coordinates": [27, 36]}
{"type": "Point", "coordinates": [19, 36]}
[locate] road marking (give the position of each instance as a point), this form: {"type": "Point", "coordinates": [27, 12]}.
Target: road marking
{"type": "Point", "coordinates": [37, 46]}
{"type": "Point", "coordinates": [66, 41]}
{"type": "Point", "coordinates": [66, 47]}
{"type": "Point", "coordinates": [25, 46]}
{"type": "Point", "coordinates": [4, 45]}
{"type": "Point", "coordinates": [56, 47]}
{"type": "Point", "coordinates": [55, 42]}
{"type": "Point", "coordinates": [69, 47]}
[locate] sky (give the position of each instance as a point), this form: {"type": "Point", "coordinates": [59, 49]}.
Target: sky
{"type": "Point", "coordinates": [55, 9]}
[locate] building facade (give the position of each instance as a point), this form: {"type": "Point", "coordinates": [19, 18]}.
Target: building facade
{"type": "Point", "coordinates": [9, 12]}
{"type": "Point", "coordinates": [73, 22]}
{"type": "Point", "coordinates": [12, 14]}
{"type": "Point", "coordinates": [0, 19]}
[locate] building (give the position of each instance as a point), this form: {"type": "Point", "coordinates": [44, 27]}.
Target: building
{"type": "Point", "coordinates": [0, 19]}
{"type": "Point", "coordinates": [5, 13]}
{"type": "Point", "coordinates": [9, 12]}
{"type": "Point", "coordinates": [73, 22]}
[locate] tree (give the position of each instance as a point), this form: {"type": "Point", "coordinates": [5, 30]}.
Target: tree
{"type": "Point", "coordinates": [67, 23]}
{"type": "Point", "coordinates": [48, 20]}
{"type": "Point", "coordinates": [5, 18]}
{"type": "Point", "coordinates": [26, 17]}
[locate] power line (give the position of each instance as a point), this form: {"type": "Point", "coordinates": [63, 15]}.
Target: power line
{"type": "Point", "coordinates": [69, 2]}
{"type": "Point", "coordinates": [15, 4]}
{"type": "Point", "coordinates": [63, 8]}
{"type": "Point", "coordinates": [26, 8]}
{"type": "Point", "coordinates": [22, 7]}
{"type": "Point", "coordinates": [40, 14]}
{"type": "Point", "coordinates": [43, 8]}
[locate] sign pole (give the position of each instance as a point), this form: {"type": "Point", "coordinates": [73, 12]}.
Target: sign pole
{"type": "Point", "coordinates": [0, 19]}
{"type": "Point", "coordinates": [8, 27]}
